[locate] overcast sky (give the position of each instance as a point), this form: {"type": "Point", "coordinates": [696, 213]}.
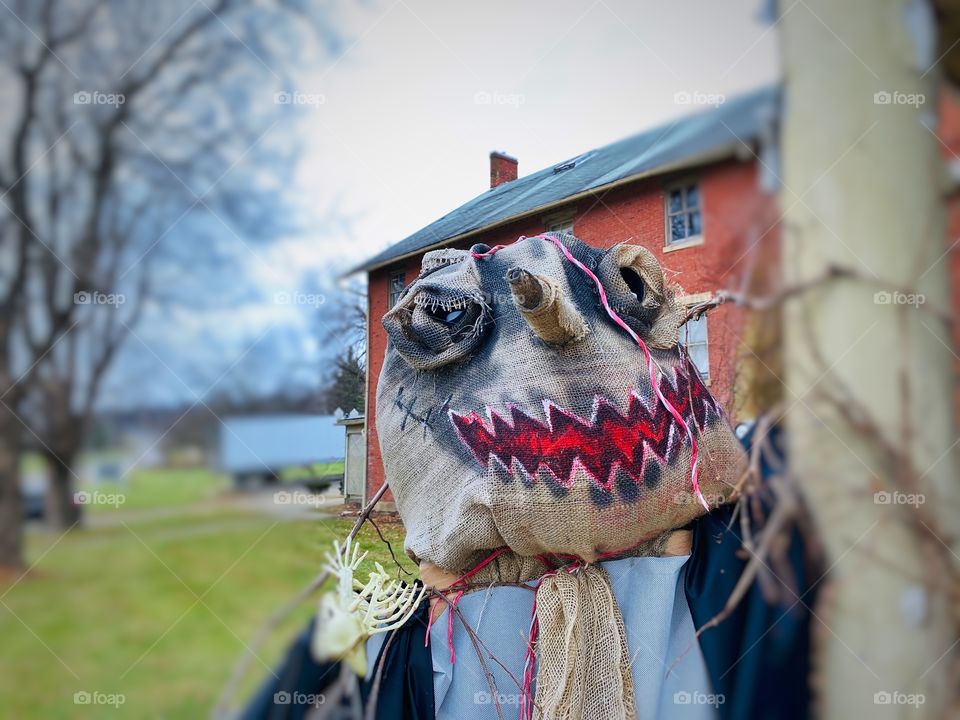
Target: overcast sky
{"type": "Point", "coordinates": [397, 128]}
{"type": "Point", "coordinates": [401, 132]}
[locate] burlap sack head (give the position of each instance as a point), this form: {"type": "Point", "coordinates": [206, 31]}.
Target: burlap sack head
{"type": "Point", "coordinates": [513, 411]}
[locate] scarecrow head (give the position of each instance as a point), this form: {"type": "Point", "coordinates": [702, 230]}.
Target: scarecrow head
{"type": "Point", "coordinates": [536, 396]}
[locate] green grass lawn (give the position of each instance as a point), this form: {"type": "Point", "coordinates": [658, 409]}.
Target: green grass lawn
{"type": "Point", "coordinates": [148, 488]}
{"type": "Point", "coordinates": [116, 609]}
{"type": "Point", "coordinates": [176, 487]}
{"type": "Point", "coordinates": [159, 487]}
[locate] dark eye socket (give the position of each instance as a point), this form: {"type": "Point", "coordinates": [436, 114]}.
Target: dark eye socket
{"type": "Point", "coordinates": [449, 317]}
{"type": "Point", "coordinates": [633, 280]}
{"type": "Point", "coordinates": [428, 335]}
{"type": "Point", "coordinates": [450, 324]}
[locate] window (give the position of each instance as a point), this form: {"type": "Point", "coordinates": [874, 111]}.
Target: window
{"type": "Point", "coordinates": [693, 335]}
{"type": "Point", "coordinates": [559, 222]}
{"type": "Point", "coordinates": [397, 284]}
{"type": "Point", "coordinates": [683, 214]}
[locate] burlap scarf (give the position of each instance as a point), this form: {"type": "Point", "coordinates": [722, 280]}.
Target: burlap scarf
{"type": "Point", "coordinates": [583, 662]}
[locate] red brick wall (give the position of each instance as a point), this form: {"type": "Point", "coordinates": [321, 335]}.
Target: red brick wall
{"type": "Point", "coordinates": [740, 232]}
{"type": "Point", "coordinates": [735, 215]}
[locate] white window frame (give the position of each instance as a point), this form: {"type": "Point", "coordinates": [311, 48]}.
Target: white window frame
{"type": "Point", "coordinates": [689, 301]}
{"type": "Point", "coordinates": [394, 294]}
{"type": "Point", "coordinates": [691, 240]}
{"type": "Point", "coordinates": [560, 222]}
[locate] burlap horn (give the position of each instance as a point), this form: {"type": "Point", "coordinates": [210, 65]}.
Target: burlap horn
{"type": "Point", "coordinates": [540, 301]}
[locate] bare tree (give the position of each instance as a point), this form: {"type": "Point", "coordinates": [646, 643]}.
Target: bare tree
{"type": "Point", "coordinates": [59, 407]}
{"type": "Point", "coordinates": [122, 108]}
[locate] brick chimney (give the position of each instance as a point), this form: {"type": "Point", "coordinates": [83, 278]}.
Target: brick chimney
{"type": "Point", "coordinates": [503, 168]}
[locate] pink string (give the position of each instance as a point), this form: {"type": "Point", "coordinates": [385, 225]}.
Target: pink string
{"type": "Point", "coordinates": [529, 660]}
{"type": "Point", "coordinates": [651, 365]}
{"type": "Point", "coordinates": [526, 688]}
{"type": "Point", "coordinates": [463, 578]}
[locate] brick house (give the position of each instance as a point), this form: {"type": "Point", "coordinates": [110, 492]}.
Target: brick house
{"type": "Point", "coordinates": [700, 193]}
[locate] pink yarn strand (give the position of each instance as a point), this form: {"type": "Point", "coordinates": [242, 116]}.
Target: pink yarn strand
{"type": "Point", "coordinates": [466, 576]}
{"type": "Point", "coordinates": [651, 364]}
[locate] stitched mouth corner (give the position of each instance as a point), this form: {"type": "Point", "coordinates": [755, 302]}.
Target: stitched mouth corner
{"type": "Point", "coordinates": [626, 450]}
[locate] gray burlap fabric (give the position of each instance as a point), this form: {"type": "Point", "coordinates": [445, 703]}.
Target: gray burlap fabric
{"type": "Point", "coordinates": [513, 411]}
{"type": "Point", "coordinates": [493, 436]}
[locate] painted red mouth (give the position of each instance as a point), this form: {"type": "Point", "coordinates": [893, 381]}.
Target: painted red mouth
{"type": "Point", "coordinates": [566, 442]}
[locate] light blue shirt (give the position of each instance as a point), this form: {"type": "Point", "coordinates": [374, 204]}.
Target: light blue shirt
{"type": "Point", "coordinates": [669, 674]}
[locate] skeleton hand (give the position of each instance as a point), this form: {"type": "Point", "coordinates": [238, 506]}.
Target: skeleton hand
{"type": "Point", "coordinates": [355, 611]}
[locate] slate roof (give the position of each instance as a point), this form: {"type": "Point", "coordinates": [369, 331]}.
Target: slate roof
{"type": "Point", "coordinates": [707, 134]}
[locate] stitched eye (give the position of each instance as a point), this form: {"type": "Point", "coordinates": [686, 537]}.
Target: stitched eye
{"type": "Point", "coordinates": [440, 322]}
{"type": "Point", "coordinates": [434, 326]}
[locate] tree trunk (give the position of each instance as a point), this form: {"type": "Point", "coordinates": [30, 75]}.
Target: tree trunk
{"type": "Point", "coordinates": [11, 501]}
{"type": "Point", "coordinates": [867, 367]}
{"type": "Point", "coordinates": [62, 512]}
